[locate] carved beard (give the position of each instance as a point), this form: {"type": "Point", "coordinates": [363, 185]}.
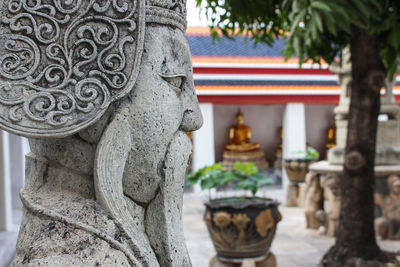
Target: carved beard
{"type": "Point", "coordinates": [166, 208]}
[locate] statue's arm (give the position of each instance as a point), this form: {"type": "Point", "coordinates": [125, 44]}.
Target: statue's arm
{"type": "Point", "coordinates": [231, 134]}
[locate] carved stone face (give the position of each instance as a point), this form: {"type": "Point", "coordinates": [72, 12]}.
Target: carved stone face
{"type": "Point", "coordinates": [162, 103]}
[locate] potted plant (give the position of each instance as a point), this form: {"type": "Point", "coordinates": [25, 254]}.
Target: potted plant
{"type": "Point", "coordinates": [297, 165]}
{"type": "Point", "coordinates": [240, 227]}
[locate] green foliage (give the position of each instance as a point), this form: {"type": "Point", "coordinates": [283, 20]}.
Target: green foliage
{"type": "Point", "coordinates": [314, 29]}
{"type": "Point", "coordinates": [310, 154]}
{"type": "Point", "coordinates": [244, 176]}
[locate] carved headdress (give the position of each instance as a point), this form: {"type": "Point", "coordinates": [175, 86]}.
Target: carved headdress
{"type": "Point", "coordinates": [169, 12]}
{"type": "Point", "coordinates": [62, 62]}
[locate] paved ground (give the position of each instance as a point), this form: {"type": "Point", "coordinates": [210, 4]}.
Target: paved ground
{"type": "Point", "coordinates": [294, 245]}
{"type": "Point", "coordinates": [7, 247]}
{"type": "Point", "coordinates": [8, 240]}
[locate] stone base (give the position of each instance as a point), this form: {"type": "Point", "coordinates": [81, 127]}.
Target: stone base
{"type": "Point", "coordinates": [384, 155]}
{"type": "Point", "coordinates": [381, 171]}
{"type": "Point", "coordinates": [302, 195]}
{"type": "Point", "coordinates": [292, 195]}
{"type": "Point", "coordinates": [330, 216]}
{"type": "Point", "coordinates": [266, 261]}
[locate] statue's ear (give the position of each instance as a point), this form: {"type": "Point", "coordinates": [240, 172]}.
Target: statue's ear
{"type": "Point", "coordinates": [62, 63]}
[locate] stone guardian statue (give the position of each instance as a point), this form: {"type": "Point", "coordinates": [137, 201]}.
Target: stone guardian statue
{"type": "Point", "coordinates": [313, 200]}
{"type": "Point", "coordinates": [104, 91]}
{"type": "Point", "coordinates": [388, 225]}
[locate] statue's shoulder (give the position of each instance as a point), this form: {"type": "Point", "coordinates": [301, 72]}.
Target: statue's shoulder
{"type": "Point", "coordinates": [63, 225]}
{"type": "Point", "coordinates": [52, 237]}
{"type": "Point", "coordinates": [58, 244]}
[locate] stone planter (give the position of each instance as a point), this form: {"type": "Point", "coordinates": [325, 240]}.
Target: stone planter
{"type": "Point", "coordinates": [242, 227]}
{"type": "Point", "coordinates": [297, 169]}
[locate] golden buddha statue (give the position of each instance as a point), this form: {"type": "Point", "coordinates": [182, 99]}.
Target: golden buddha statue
{"type": "Point", "coordinates": [331, 139]}
{"type": "Point", "coordinates": [240, 135]}
{"type": "Point", "coordinates": [190, 134]}
{"type": "Point", "coordinates": [240, 148]}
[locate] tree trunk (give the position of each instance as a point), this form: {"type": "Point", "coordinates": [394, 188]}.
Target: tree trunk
{"type": "Point", "coordinates": [355, 238]}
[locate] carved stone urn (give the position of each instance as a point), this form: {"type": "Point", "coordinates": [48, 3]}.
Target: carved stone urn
{"type": "Point", "coordinates": [241, 228]}
{"type": "Point", "coordinates": [297, 169]}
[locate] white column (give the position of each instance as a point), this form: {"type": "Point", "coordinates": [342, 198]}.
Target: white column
{"type": "Point", "coordinates": [5, 183]}
{"type": "Point", "coordinates": [294, 133]}
{"type": "Point", "coordinates": [203, 140]}
{"type": "Point", "coordinates": [19, 147]}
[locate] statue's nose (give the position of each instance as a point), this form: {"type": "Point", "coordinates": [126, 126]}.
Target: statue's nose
{"type": "Point", "coordinates": [192, 118]}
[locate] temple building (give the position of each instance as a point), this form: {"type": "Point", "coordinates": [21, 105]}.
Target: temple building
{"type": "Point", "coordinates": [271, 93]}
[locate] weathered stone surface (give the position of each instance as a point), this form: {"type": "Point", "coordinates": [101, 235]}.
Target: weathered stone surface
{"type": "Point", "coordinates": [267, 261]}
{"type": "Point", "coordinates": [313, 200]}
{"type": "Point", "coordinates": [108, 190]}
{"type": "Point", "coordinates": [64, 62]}
{"type": "Point", "coordinates": [292, 195]}
{"type": "Point", "coordinates": [332, 194]}
{"type": "Point", "coordinates": [388, 225]}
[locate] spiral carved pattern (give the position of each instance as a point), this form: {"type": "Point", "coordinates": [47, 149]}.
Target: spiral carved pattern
{"type": "Point", "coordinates": [62, 62]}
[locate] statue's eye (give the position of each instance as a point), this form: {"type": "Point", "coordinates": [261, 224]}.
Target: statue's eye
{"type": "Point", "coordinates": [176, 81]}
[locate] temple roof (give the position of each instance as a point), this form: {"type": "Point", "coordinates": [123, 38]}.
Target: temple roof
{"type": "Point", "coordinates": [238, 47]}
{"type": "Point", "coordinates": [239, 72]}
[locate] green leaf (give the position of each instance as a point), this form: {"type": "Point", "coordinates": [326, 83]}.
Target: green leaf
{"type": "Point", "coordinates": [362, 8]}
{"type": "Point", "coordinates": [297, 21]}
{"type": "Point", "coordinates": [312, 153]}
{"type": "Point", "coordinates": [390, 60]}
{"type": "Point", "coordinates": [254, 190]}
{"type": "Point", "coordinates": [214, 35]}
{"type": "Point", "coordinates": [207, 184]}
{"type": "Point", "coordinates": [226, 178]}
{"type": "Point", "coordinates": [321, 6]}
{"type": "Point", "coordinates": [198, 3]}
{"type": "Point", "coordinates": [247, 184]}
{"type": "Point", "coordinates": [313, 30]}
{"type": "Point", "coordinates": [296, 6]}
{"type": "Point", "coordinates": [394, 36]}
{"type": "Point", "coordinates": [315, 16]}
{"type": "Point", "coordinates": [259, 176]}
{"type": "Point", "coordinates": [330, 23]}
{"type": "Point", "coordinates": [204, 173]}
{"type": "Point", "coordinates": [245, 169]}
{"type": "Point", "coordinates": [297, 46]}
{"type": "Point", "coordinates": [265, 182]}
{"type": "Point", "coordinates": [193, 180]}
{"type": "Point", "coordinates": [261, 179]}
